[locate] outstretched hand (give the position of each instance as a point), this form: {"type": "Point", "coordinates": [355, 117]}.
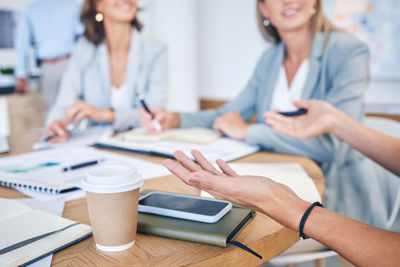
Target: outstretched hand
{"type": "Point", "coordinates": [256, 192]}
{"type": "Point", "coordinates": [318, 120]}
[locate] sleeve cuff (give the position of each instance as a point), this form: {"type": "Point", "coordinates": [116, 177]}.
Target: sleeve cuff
{"type": "Point", "coordinates": [257, 135]}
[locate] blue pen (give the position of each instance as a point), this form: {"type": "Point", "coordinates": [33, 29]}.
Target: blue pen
{"type": "Point", "coordinates": [153, 119]}
{"type": "Point", "coordinates": [294, 113]}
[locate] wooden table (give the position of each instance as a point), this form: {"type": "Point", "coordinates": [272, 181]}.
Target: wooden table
{"type": "Point", "coordinates": [262, 234]}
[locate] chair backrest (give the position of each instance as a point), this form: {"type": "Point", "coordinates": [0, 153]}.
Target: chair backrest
{"type": "Point", "coordinates": [392, 128]}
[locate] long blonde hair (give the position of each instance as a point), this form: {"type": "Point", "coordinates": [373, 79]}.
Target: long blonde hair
{"type": "Point", "coordinates": [319, 23]}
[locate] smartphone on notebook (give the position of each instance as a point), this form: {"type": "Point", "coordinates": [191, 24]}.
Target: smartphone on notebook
{"type": "Point", "coordinates": [184, 207]}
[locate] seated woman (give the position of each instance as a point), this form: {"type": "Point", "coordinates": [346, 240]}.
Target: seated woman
{"type": "Point", "coordinates": [361, 244]}
{"type": "Point", "coordinates": [111, 67]}
{"type": "Point", "coordinates": [310, 59]}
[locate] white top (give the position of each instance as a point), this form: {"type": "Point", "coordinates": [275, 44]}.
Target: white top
{"type": "Point", "coordinates": [284, 96]}
{"type": "Point", "coordinates": [120, 97]}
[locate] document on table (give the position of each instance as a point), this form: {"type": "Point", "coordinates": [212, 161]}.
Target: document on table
{"type": "Point", "coordinates": [86, 137]}
{"type": "Point", "coordinates": [42, 171]}
{"type": "Point", "coordinates": [221, 148]}
{"type": "Point", "coordinates": [289, 174]}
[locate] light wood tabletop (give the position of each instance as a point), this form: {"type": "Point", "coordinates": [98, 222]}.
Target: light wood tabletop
{"type": "Point", "coordinates": [262, 234]}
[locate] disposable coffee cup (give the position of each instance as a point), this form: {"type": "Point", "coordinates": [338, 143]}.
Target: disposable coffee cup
{"type": "Point", "coordinates": [112, 193]}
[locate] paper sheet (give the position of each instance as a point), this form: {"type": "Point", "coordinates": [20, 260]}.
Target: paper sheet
{"type": "Point", "coordinates": [289, 174]}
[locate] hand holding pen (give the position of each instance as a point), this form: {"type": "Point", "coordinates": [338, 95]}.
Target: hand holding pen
{"type": "Point", "coordinates": [154, 121]}
{"type": "Point", "coordinates": [59, 131]}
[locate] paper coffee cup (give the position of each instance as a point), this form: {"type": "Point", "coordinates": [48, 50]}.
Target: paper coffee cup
{"type": "Point", "coordinates": [112, 193]}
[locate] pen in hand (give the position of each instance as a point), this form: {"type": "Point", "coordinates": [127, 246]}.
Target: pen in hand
{"type": "Point", "coordinates": [69, 128]}
{"type": "Point", "coordinates": [156, 124]}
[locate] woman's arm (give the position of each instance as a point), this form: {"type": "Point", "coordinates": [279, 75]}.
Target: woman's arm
{"type": "Point", "coordinates": [323, 118]}
{"type": "Point", "coordinates": [360, 243]}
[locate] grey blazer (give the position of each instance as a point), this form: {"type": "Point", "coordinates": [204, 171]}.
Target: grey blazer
{"type": "Point", "coordinates": [88, 78]}
{"type": "Point", "coordinates": [339, 74]}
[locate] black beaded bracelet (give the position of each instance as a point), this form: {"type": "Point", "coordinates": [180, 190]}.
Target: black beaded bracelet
{"type": "Point", "coordinates": [304, 219]}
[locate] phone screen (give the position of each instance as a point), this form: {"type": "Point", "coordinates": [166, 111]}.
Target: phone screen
{"type": "Point", "coordinates": [182, 203]}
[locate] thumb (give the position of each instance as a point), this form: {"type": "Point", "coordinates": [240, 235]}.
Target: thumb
{"type": "Point", "coordinates": [302, 104]}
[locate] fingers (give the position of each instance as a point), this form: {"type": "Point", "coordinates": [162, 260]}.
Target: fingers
{"type": "Point", "coordinates": [204, 163]}
{"type": "Point", "coordinates": [57, 128]}
{"type": "Point", "coordinates": [73, 111]}
{"type": "Point", "coordinates": [277, 120]}
{"type": "Point", "coordinates": [226, 168]}
{"type": "Point", "coordinates": [185, 161]}
{"type": "Point", "coordinates": [181, 172]}
{"type": "Point", "coordinates": [146, 121]}
{"type": "Point", "coordinates": [144, 114]}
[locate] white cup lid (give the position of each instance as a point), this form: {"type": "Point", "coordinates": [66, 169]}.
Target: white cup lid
{"type": "Point", "coordinates": [112, 179]}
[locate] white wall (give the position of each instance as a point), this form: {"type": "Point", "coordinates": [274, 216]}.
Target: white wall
{"type": "Point", "coordinates": [230, 46]}
{"type": "Point", "coordinates": [175, 23]}
{"type": "Point", "coordinates": [214, 46]}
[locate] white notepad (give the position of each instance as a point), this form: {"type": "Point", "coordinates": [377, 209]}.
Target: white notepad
{"type": "Point", "coordinates": [43, 170]}
{"type": "Point", "coordinates": [289, 174]}
{"type": "Point", "coordinates": [22, 230]}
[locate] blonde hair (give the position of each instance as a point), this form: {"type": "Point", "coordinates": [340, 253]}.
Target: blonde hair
{"type": "Point", "coordinates": [319, 23]}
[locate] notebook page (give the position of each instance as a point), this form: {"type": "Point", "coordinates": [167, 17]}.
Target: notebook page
{"type": "Point", "coordinates": [193, 135]}
{"type": "Point", "coordinates": [11, 208]}
{"type": "Point", "coordinates": [33, 224]}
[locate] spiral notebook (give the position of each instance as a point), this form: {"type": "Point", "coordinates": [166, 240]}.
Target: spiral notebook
{"type": "Point", "coordinates": [44, 170]}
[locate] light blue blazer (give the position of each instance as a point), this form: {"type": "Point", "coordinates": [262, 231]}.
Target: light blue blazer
{"type": "Point", "coordinates": [88, 78]}
{"type": "Point", "coordinates": [339, 74]}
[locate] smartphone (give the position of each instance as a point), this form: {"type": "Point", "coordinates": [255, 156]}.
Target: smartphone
{"type": "Point", "coordinates": [294, 113]}
{"type": "Point", "coordinates": [184, 207]}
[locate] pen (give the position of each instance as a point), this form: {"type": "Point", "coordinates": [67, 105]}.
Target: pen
{"type": "Point", "coordinates": [294, 113]}
{"type": "Point", "coordinates": [153, 119]}
{"type": "Point", "coordinates": [81, 165]}
{"type": "Point", "coordinates": [70, 127]}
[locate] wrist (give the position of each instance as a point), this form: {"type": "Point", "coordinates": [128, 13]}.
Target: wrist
{"type": "Point", "coordinates": [244, 131]}
{"type": "Point", "coordinates": [337, 122]}
{"type": "Point", "coordinates": [287, 211]}
{"type": "Point", "coordinates": [175, 120]}
{"type": "Point", "coordinates": [109, 115]}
